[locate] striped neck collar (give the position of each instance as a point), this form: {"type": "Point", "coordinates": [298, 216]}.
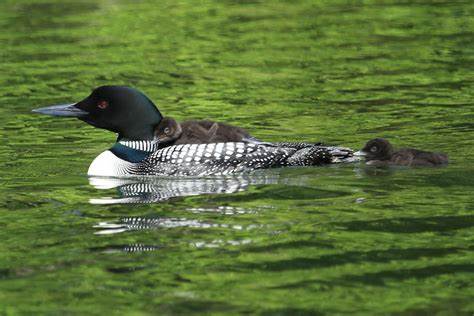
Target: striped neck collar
{"type": "Point", "coordinates": [142, 145]}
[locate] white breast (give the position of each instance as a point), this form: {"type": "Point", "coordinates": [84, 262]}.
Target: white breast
{"type": "Point", "coordinates": [108, 165]}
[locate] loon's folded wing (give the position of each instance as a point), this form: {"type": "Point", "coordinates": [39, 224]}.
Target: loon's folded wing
{"type": "Point", "coordinates": [211, 159]}
{"type": "Point", "coordinates": [226, 158]}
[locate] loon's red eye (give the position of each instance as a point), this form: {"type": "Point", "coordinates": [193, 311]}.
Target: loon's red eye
{"type": "Point", "coordinates": [103, 104]}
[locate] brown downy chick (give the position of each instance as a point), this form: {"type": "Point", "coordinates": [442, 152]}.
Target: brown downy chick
{"type": "Point", "coordinates": [380, 152]}
{"type": "Point", "coordinates": [171, 132]}
{"type": "Point", "coordinates": [168, 131]}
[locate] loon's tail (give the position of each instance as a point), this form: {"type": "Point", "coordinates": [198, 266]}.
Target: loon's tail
{"type": "Point", "coordinates": [342, 154]}
{"type": "Point", "coordinates": [316, 154]}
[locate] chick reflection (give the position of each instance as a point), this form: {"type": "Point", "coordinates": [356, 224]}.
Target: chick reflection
{"type": "Point", "coordinates": [151, 190]}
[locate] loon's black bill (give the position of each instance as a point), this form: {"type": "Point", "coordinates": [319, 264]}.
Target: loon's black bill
{"type": "Point", "coordinates": [67, 110]}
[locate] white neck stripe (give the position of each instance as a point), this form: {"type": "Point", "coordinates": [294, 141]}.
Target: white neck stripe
{"type": "Point", "coordinates": [143, 145]}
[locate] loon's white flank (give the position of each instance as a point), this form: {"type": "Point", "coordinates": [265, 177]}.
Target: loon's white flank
{"type": "Point", "coordinates": [108, 165]}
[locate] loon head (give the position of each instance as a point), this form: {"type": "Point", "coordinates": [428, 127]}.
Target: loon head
{"type": "Point", "coordinates": [123, 110]}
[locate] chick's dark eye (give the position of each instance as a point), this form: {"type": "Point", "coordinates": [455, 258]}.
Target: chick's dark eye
{"type": "Point", "coordinates": [373, 149]}
{"type": "Point", "coordinates": [167, 130]}
{"type": "Point", "coordinates": [102, 104]}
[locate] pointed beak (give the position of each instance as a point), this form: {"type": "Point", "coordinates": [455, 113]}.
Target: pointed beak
{"type": "Point", "coordinates": [360, 153]}
{"type": "Point", "coordinates": [66, 110]}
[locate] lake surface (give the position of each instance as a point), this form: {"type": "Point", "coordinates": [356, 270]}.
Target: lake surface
{"type": "Point", "coordinates": [306, 241]}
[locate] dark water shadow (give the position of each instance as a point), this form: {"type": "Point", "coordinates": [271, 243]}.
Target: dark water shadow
{"type": "Point", "coordinates": [195, 306]}
{"type": "Point", "coordinates": [412, 225]}
{"type": "Point", "coordinates": [296, 244]}
{"type": "Point", "coordinates": [379, 256]}
{"type": "Point", "coordinates": [379, 278]}
{"type": "Point", "coordinates": [291, 311]}
{"type": "Point", "coordinates": [44, 15]}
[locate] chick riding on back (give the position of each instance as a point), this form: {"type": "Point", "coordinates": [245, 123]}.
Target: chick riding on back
{"type": "Point", "coordinates": [170, 132]}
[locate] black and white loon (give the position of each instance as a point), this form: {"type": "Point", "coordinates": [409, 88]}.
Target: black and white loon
{"type": "Point", "coordinates": [134, 117]}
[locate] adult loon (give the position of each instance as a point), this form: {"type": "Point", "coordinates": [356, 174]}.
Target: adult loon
{"type": "Point", "coordinates": [379, 152]}
{"type": "Point", "coordinates": [134, 117]}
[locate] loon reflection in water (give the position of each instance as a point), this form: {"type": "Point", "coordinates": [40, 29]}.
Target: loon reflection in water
{"type": "Point", "coordinates": [153, 189]}
{"type": "Point", "coordinates": [146, 223]}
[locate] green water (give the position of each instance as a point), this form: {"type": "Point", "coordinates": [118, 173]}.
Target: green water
{"type": "Point", "coordinates": [328, 240]}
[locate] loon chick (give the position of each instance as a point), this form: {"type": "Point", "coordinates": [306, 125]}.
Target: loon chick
{"type": "Point", "coordinates": [170, 132]}
{"type": "Point", "coordinates": [379, 152]}
{"type": "Point", "coordinates": [134, 117]}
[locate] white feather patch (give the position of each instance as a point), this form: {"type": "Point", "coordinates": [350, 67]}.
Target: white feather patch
{"type": "Point", "coordinates": [108, 165]}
